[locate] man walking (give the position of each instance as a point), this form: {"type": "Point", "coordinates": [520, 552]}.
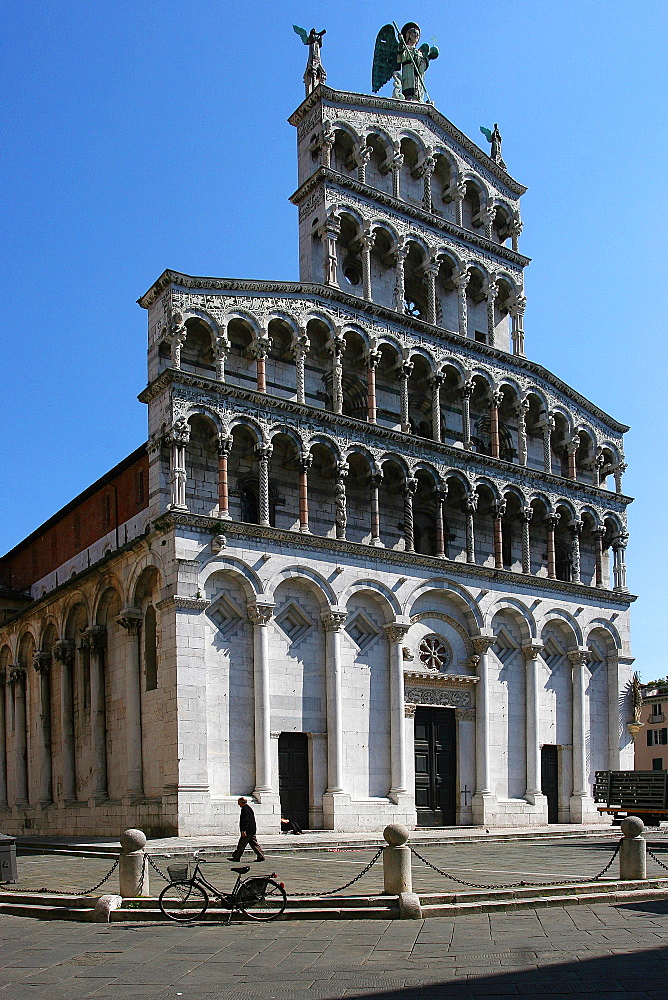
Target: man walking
{"type": "Point", "coordinates": [248, 829]}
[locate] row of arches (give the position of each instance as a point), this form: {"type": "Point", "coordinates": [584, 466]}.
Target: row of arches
{"type": "Point", "coordinates": [426, 176]}
{"type": "Point", "coordinates": [383, 502]}
{"type": "Point", "coordinates": [346, 370]}
{"type": "Point", "coordinates": [80, 701]}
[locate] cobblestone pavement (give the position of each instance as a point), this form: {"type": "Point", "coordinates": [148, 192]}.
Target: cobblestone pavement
{"type": "Point", "coordinates": [601, 952]}
{"type": "Point", "coordinates": [317, 871]}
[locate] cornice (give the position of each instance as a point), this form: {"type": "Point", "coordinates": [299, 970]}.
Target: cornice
{"type": "Point", "coordinates": [323, 93]}
{"type": "Point", "coordinates": [406, 442]}
{"type": "Point", "coordinates": [308, 290]}
{"type": "Point", "coordinates": [403, 208]}
{"type": "Point", "coordinates": [439, 680]}
{"type": "Point", "coordinates": [384, 557]}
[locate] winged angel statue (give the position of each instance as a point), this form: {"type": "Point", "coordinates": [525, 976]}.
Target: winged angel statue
{"type": "Point", "coordinates": [315, 71]}
{"type": "Point", "coordinates": [397, 56]}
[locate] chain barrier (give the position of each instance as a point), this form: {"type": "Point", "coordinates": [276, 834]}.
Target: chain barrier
{"type": "Point", "coordinates": [5, 887]}
{"type": "Point", "coordinates": [522, 884]}
{"type": "Point", "coordinates": [158, 870]}
{"type": "Point", "coordinates": [654, 858]}
{"type": "Point", "coordinates": [330, 892]}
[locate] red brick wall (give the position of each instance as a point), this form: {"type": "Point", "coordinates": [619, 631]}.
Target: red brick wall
{"type": "Point", "coordinates": [83, 521]}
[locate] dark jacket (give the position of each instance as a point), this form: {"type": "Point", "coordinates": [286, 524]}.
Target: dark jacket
{"type": "Point", "coordinates": [247, 821]}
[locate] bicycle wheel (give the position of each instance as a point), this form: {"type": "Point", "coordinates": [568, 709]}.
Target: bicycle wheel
{"type": "Point", "coordinates": [261, 898]}
{"type": "Point", "coordinates": [183, 901]}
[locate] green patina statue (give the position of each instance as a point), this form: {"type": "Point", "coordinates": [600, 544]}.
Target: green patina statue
{"type": "Point", "coordinates": [397, 56]}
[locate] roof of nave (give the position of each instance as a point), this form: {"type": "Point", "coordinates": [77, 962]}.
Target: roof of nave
{"type": "Point", "coordinates": [389, 104]}
{"type": "Point", "coordinates": [309, 290]}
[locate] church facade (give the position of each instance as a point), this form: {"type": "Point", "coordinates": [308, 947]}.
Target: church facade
{"type": "Point", "coordinates": [369, 566]}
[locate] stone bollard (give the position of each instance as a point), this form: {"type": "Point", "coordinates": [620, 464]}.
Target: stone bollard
{"type": "Point", "coordinates": [633, 850]}
{"type": "Point", "coordinates": [131, 865]}
{"type": "Point", "coordinates": [397, 875]}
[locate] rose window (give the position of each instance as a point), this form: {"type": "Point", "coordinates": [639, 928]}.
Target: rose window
{"type": "Point", "coordinates": [434, 652]}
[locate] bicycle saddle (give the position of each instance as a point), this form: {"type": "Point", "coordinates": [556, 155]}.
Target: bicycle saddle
{"type": "Point", "coordinates": [242, 871]}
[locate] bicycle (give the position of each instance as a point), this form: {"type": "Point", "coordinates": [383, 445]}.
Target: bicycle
{"type": "Point", "coordinates": [186, 898]}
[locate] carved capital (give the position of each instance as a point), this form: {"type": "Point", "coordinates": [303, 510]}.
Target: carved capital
{"type": "Point", "coordinates": [409, 711]}
{"type": "Point", "coordinates": [333, 621]}
{"type": "Point", "coordinates": [259, 613]}
{"type": "Point", "coordinates": [532, 650]}
{"type": "Point", "coordinates": [461, 279]}
{"type": "Point", "coordinates": [466, 389]}
{"type": "Point", "coordinates": [342, 470]}
{"type": "Point", "coordinates": [481, 643]}
{"type": "Point", "coordinates": [526, 514]}
{"type": "Point", "coordinates": [495, 398]}
{"type": "Point", "coordinates": [579, 657]}
{"type": "Point", "coordinates": [397, 631]}
{"type": "Point", "coordinates": [97, 636]}
{"type": "Point", "coordinates": [407, 369]}
{"type": "Point", "coordinates": [179, 432]}
{"type": "Point", "coordinates": [471, 504]}
{"type": "Point", "coordinates": [63, 651]}
{"type": "Point", "coordinates": [305, 462]}
{"type": "Point", "coordinates": [410, 486]}
{"type": "Point", "coordinates": [263, 452]}
{"type": "Point", "coordinates": [224, 446]}
{"type": "Point", "coordinates": [130, 619]}
{"type": "Point", "coordinates": [576, 527]}
{"type": "Point", "coordinates": [41, 661]}
{"type": "Point", "coordinates": [620, 541]}
{"type": "Point", "coordinates": [17, 675]}
{"type": "Point", "coordinates": [499, 509]}
{"type": "Point", "coordinates": [553, 520]}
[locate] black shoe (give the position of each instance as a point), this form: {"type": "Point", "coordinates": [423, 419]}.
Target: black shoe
{"type": "Point", "coordinates": [260, 859]}
{"type": "Point", "coordinates": [236, 860]}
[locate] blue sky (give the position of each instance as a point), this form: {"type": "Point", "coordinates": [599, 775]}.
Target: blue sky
{"type": "Point", "coordinates": [143, 135]}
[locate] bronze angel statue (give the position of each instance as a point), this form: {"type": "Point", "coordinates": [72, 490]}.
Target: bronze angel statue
{"type": "Point", "coordinates": [397, 56]}
{"type": "Point", "coordinates": [315, 71]}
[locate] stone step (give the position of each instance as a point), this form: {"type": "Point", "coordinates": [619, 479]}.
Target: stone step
{"type": "Point", "coordinates": [561, 889]}
{"type": "Point", "coordinates": [533, 902]}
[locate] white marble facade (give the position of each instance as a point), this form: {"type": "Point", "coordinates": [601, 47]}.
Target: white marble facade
{"type": "Point", "coordinates": [364, 501]}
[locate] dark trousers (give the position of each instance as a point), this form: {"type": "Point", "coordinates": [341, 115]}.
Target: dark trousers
{"type": "Point", "coordinates": [247, 840]}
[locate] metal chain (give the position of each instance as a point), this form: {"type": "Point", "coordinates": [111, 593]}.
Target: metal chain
{"type": "Point", "coordinates": [330, 892]}
{"type": "Point", "coordinates": [65, 892]}
{"type": "Point", "coordinates": [654, 857]}
{"type": "Point", "coordinates": [144, 866]}
{"type": "Point", "coordinates": [519, 885]}
{"type": "Point", "coordinates": [155, 868]}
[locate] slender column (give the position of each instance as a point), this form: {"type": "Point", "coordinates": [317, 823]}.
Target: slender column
{"type": "Point", "coordinates": [401, 253]}
{"type": "Point", "coordinates": [488, 217]}
{"type": "Point", "coordinates": [527, 514]}
{"type": "Point", "coordinates": [395, 166]}
{"type": "Point", "coordinates": [578, 659]}
{"type": "Point", "coordinates": [396, 632]}
{"type": "Point", "coordinates": [517, 331]}
{"type": "Point", "coordinates": [441, 493]}
{"type": "Point", "coordinates": [337, 346]}
{"type": "Point", "coordinates": [261, 352]}
{"type": "Point", "coordinates": [460, 281]}
{"type": "Point", "coordinates": [410, 487]}
{"type": "Point", "coordinates": [599, 478]}
{"type": "Point", "coordinates": [470, 507]}
{"type": "Point", "coordinates": [376, 480]}
{"type": "Point", "coordinates": [430, 272]}
{"type": "Point", "coordinates": [406, 369]}
{"type": "Point", "coordinates": [222, 350]}
{"type": "Point", "coordinates": [499, 511]}
{"type": "Point", "coordinates": [224, 449]}
{"type": "Point", "coordinates": [372, 359]}
{"type": "Point", "coordinates": [576, 531]}
{"type": "Point", "coordinates": [436, 383]}
{"type": "Point", "coordinates": [330, 232]}
{"type": "Point", "coordinates": [515, 233]}
{"type": "Point", "coordinates": [178, 439]}
{"type": "Point", "coordinates": [494, 403]}
{"type": "Point", "coordinates": [260, 615]}
{"type": "Point", "coordinates": [130, 619]}
{"type": "Point", "coordinates": [612, 664]}
{"type": "Point", "coordinates": [305, 463]}
{"type": "Point", "coordinates": [326, 146]}
{"type": "Point", "coordinates": [41, 661]}
{"type": "Point", "coordinates": [522, 451]}
{"type": "Point", "coordinates": [552, 520]}
{"type": "Point", "coordinates": [598, 533]}
{"type": "Point", "coordinates": [426, 172]}
{"type": "Point", "coordinates": [333, 622]}
{"type": "Point", "coordinates": [481, 645]}
{"type": "Point", "coordinates": [177, 340]}
{"type": "Point", "coordinates": [3, 741]}
{"type": "Point", "coordinates": [619, 544]}
{"type": "Point", "coordinates": [63, 651]}
{"type": "Point", "coordinates": [572, 448]}
{"type": "Point", "coordinates": [97, 635]}
{"type": "Point", "coordinates": [458, 196]}
{"type": "Point", "coordinates": [300, 351]}
{"type": "Point", "coordinates": [466, 391]}
{"type": "Point", "coordinates": [547, 426]}
{"type": "Point", "coordinates": [367, 242]}
{"type": "Point", "coordinates": [362, 157]}
{"type": "Point", "coordinates": [492, 293]}
{"type": "Point", "coordinates": [618, 472]}
{"type": "Point", "coordinates": [17, 680]}
{"type": "Point", "coordinates": [263, 452]}
{"type": "Point", "coordinates": [340, 516]}
{"type": "Point", "coordinates": [532, 717]}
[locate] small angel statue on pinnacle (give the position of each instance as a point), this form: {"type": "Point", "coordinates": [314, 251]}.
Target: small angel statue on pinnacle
{"type": "Point", "coordinates": [397, 56]}
{"type": "Point", "coordinates": [315, 71]}
{"type": "Point", "coordinates": [495, 139]}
